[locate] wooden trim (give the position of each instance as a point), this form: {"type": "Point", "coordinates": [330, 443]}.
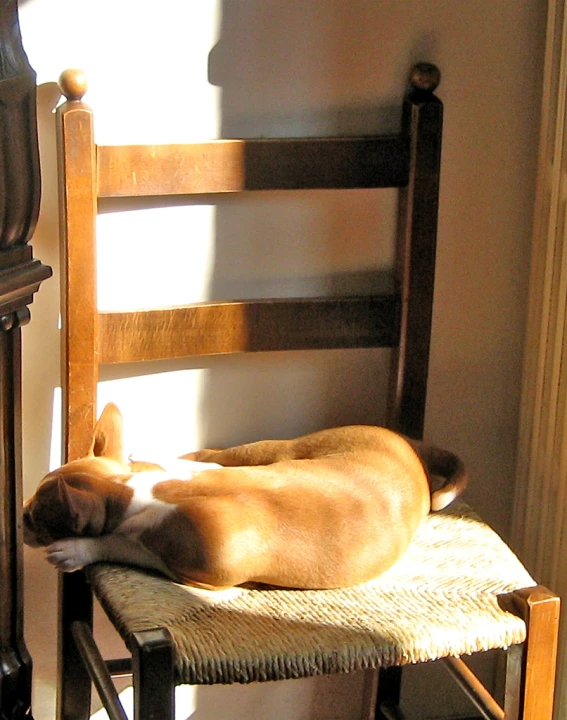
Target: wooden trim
{"type": "Point", "coordinates": [248, 326]}
{"type": "Point", "coordinates": [226, 166]}
{"type": "Point", "coordinates": [19, 283]}
{"type": "Point", "coordinates": [15, 672]}
{"type": "Point", "coordinates": [540, 447]}
{"type": "Point", "coordinates": [540, 503]}
{"type": "Point", "coordinates": [20, 278]}
{"type": "Point", "coordinates": [537, 516]}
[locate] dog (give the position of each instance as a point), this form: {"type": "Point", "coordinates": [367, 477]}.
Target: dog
{"type": "Point", "coordinates": [334, 508]}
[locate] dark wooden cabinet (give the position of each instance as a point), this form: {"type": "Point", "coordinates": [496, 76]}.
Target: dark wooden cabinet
{"type": "Point", "coordinates": [20, 278]}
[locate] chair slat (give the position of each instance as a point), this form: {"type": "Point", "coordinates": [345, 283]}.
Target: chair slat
{"type": "Point", "coordinates": [224, 166]}
{"type": "Point", "coordinates": [249, 326]}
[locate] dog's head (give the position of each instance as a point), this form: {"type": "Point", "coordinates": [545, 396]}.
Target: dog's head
{"type": "Point", "coordinates": [80, 498]}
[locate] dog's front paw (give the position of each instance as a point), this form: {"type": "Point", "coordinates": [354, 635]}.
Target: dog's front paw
{"type": "Point", "coordinates": [72, 554]}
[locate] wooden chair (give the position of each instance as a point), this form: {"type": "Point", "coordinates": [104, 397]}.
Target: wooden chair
{"type": "Point", "coordinates": [458, 591]}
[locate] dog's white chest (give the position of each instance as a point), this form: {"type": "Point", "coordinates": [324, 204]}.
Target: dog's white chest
{"type": "Point", "coordinates": [145, 511]}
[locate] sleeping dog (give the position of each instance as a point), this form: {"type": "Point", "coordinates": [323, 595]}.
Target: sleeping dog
{"type": "Point", "coordinates": [330, 509]}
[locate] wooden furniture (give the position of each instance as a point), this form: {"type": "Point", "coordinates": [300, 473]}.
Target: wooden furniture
{"type": "Point", "coordinates": [20, 278]}
{"type": "Point", "coordinates": [459, 590]}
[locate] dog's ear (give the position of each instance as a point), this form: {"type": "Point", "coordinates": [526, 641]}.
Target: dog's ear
{"type": "Point", "coordinates": [61, 510]}
{"type": "Point", "coordinates": [108, 435]}
{"type": "Point", "coordinates": [86, 510]}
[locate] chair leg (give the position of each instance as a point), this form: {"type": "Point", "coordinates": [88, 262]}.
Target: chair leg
{"type": "Point", "coordinates": [530, 672]}
{"type": "Point", "coordinates": [388, 696]}
{"type": "Point", "coordinates": [98, 671]}
{"type": "Point", "coordinates": [153, 675]}
{"type": "Point", "coordinates": [473, 688]}
{"type": "Point", "coordinates": [73, 681]}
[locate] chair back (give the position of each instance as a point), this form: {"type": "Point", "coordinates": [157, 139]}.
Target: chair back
{"type": "Point", "coordinates": [398, 318]}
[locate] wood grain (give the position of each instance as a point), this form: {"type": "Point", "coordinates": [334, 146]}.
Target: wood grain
{"type": "Point", "coordinates": [227, 166]}
{"type": "Point", "coordinates": [77, 193]}
{"type": "Point", "coordinates": [249, 326]}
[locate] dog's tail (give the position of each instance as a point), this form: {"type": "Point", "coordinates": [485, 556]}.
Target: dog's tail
{"type": "Point", "coordinates": [447, 474]}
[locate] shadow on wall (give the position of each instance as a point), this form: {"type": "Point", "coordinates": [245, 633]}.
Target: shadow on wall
{"type": "Point", "coordinates": [288, 244]}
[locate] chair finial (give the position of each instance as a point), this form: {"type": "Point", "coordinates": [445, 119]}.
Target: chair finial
{"type": "Point", "coordinates": [73, 84]}
{"type": "Point", "coordinates": [425, 77]}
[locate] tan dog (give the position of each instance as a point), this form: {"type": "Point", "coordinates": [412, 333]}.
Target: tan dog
{"type": "Point", "coordinates": [331, 509]}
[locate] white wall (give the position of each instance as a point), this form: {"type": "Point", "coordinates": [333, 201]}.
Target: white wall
{"type": "Point", "coordinates": [182, 69]}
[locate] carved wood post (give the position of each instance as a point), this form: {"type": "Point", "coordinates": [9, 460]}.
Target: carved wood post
{"type": "Point", "coordinates": [20, 277]}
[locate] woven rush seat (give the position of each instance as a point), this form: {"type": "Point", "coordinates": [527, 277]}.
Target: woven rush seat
{"type": "Point", "coordinates": [441, 599]}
